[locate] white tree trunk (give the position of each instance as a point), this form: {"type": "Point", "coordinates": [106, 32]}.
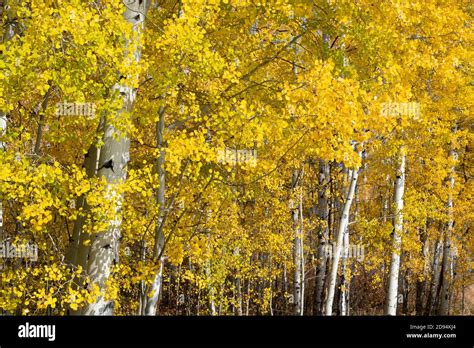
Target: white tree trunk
{"type": "Point", "coordinates": [77, 251]}
{"type": "Point", "coordinates": [392, 292]}
{"type": "Point", "coordinates": [238, 286]}
{"type": "Point", "coordinates": [339, 239]}
{"type": "Point", "coordinates": [104, 248]}
{"type": "Point", "coordinates": [152, 295]}
{"type": "Point", "coordinates": [114, 156]}
{"type": "Point", "coordinates": [345, 281]}
{"type": "Point", "coordinates": [345, 255]}
{"type": "Point", "coordinates": [301, 255]}
{"type": "Point", "coordinates": [446, 271]}
{"type": "Point", "coordinates": [323, 237]}
{"type": "Point", "coordinates": [238, 290]}
{"type": "Point", "coordinates": [298, 289]}
{"type": "Point", "coordinates": [446, 275]}
{"type": "Point", "coordinates": [210, 289]}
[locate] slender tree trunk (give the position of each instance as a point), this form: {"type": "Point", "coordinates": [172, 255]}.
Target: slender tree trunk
{"type": "Point", "coordinates": [405, 287]}
{"type": "Point", "coordinates": [301, 253]}
{"type": "Point", "coordinates": [446, 277]}
{"type": "Point", "coordinates": [446, 273]}
{"type": "Point", "coordinates": [238, 288]}
{"type": "Point", "coordinates": [298, 289]}
{"type": "Point", "coordinates": [323, 236]}
{"type": "Point", "coordinates": [338, 242]}
{"type": "Point", "coordinates": [331, 236]}
{"type": "Point", "coordinates": [114, 156]}
{"type": "Point", "coordinates": [345, 278]}
{"type": "Point", "coordinates": [153, 294]}
{"type": "Point", "coordinates": [247, 298]}
{"type": "Point", "coordinates": [392, 293]}
{"type": "Point", "coordinates": [345, 259]}
{"type": "Point", "coordinates": [210, 289]}
{"type": "Point", "coordinates": [435, 278]}
{"type": "Point", "coordinates": [421, 283]}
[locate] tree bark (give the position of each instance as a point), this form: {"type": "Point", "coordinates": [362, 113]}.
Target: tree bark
{"type": "Point", "coordinates": [152, 295]}
{"type": "Point", "coordinates": [345, 280]}
{"type": "Point", "coordinates": [78, 250]}
{"type": "Point", "coordinates": [421, 284]}
{"type": "Point", "coordinates": [114, 156]}
{"type": "Point", "coordinates": [392, 292]}
{"type": "Point", "coordinates": [435, 279]}
{"type": "Point", "coordinates": [298, 290]}
{"type": "Point", "coordinates": [446, 273]}
{"type": "Point", "coordinates": [323, 236]}
{"type": "Point", "coordinates": [339, 239]}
